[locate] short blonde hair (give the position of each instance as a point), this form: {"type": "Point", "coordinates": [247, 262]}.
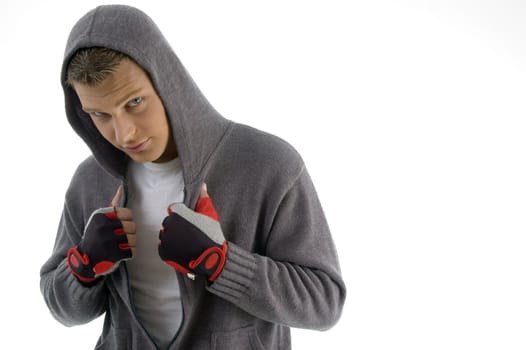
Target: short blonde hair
{"type": "Point", "coordinates": [91, 66]}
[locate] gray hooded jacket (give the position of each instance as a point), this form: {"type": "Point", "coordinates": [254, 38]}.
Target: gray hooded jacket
{"type": "Point", "coordinates": [282, 268]}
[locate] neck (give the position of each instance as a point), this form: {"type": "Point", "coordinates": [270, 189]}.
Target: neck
{"type": "Point", "coordinates": [169, 154]}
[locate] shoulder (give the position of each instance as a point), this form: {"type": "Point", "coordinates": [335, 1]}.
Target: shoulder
{"type": "Point", "coordinates": [88, 171]}
{"type": "Point", "coordinates": [254, 147]}
{"type": "Point", "coordinates": [88, 165]}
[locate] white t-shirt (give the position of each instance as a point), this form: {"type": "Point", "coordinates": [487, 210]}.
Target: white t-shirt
{"type": "Point", "coordinates": [154, 286]}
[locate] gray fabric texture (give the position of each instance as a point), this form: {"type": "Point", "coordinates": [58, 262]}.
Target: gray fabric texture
{"type": "Point", "coordinates": [282, 268]}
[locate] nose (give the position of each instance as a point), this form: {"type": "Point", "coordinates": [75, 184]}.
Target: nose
{"type": "Point", "coordinates": [125, 129]}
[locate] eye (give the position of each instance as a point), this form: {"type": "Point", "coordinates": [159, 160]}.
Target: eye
{"type": "Point", "coordinates": [135, 102]}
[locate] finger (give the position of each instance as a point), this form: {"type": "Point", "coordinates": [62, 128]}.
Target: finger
{"type": "Point", "coordinates": [115, 202]}
{"type": "Point", "coordinates": [129, 227]}
{"type": "Point", "coordinates": [205, 206]}
{"type": "Point", "coordinates": [132, 240]}
{"type": "Point", "coordinates": [124, 214]}
{"type": "Point", "coordinates": [204, 192]}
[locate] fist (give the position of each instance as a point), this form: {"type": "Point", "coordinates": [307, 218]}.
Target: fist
{"type": "Point", "coordinates": [109, 238]}
{"type": "Point", "coordinates": [192, 241]}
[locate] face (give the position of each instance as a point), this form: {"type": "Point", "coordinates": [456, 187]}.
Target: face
{"type": "Point", "coordinates": [127, 111]}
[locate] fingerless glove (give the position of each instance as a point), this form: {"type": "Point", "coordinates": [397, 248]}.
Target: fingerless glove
{"type": "Point", "coordinates": [192, 241]}
{"type": "Point", "coordinates": [103, 246]}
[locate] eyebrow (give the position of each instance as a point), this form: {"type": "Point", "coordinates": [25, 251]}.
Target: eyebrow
{"type": "Point", "coordinates": [89, 110]}
{"type": "Point", "coordinates": [130, 96]}
{"type": "Point", "coordinates": [127, 98]}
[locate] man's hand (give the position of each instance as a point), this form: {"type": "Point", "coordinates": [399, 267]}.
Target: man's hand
{"type": "Point", "coordinates": [192, 241]}
{"type": "Point", "coordinates": [109, 238]}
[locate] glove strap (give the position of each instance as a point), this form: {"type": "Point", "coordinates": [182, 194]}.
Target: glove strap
{"type": "Point", "coordinates": [78, 264]}
{"type": "Point", "coordinates": [210, 262]}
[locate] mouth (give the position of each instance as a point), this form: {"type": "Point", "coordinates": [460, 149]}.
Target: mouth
{"type": "Point", "coordinates": [137, 147]}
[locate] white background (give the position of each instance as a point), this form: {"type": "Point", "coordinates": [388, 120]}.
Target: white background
{"type": "Point", "coordinates": [409, 115]}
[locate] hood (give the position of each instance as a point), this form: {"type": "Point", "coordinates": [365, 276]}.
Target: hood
{"type": "Point", "coordinates": [196, 126]}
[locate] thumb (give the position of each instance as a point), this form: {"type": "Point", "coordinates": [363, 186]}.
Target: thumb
{"type": "Point", "coordinates": [117, 198]}
{"type": "Point", "coordinates": [204, 192]}
{"type": "Point", "coordinates": [204, 205]}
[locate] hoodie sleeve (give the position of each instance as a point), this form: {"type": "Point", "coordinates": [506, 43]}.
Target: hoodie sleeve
{"type": "Point", "coordinates": [69, 301]}
{"type": "Point", "coordinates": [298, 282]}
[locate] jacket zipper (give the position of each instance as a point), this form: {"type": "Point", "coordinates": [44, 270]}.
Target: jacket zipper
{"type": "Point", "coordinates": [126, 191]}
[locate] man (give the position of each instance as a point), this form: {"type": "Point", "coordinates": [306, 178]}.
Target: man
{"type": "Point", "coordinates": [189, 231]}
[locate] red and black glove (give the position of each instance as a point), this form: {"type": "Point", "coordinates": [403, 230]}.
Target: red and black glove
{"type": "Point", "coordinates": [103, 246]}
{"type": "Point", "coordinates": [192, 241]}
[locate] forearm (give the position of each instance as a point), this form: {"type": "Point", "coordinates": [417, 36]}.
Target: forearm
{"type": "Point", "coordinates": [295, 279]}
{"type": "Point", "coordinates": [281, 292]}
{"type": "Point", "coordinates": [69, 301]}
